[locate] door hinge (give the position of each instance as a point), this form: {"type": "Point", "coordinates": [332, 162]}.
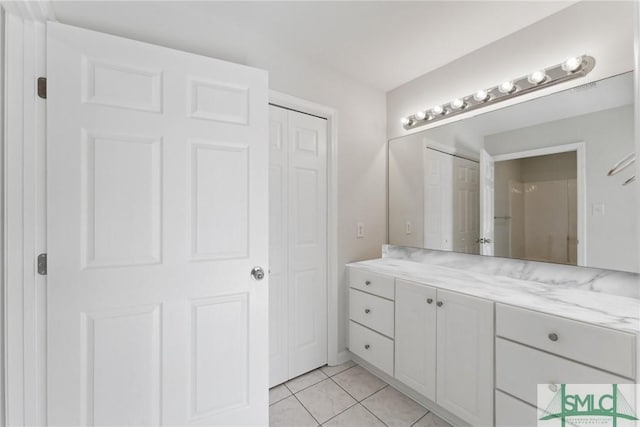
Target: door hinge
{"type": "Point", "coordinates": [42, 264]}
{"type": "Point", "coordinates": [42, 87]}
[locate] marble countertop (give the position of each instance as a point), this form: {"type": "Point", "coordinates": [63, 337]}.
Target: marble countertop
{"type": "Point", "coordinates": [603, 309]}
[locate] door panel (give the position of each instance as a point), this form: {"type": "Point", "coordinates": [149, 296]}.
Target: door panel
{"type": "Point", "coordinates": [307, 242]}
{"type": "Point", "coordinates": [278, 255]}
{"type": "Point", "coordinates": [298, 203]}
{"type": "Point", "coordinates": [155, 219]}
{"type": "Point", "coordinates": [415, 337]}
{"type": "Point", "coordinates": [487, 168]}
{"type": "Point", "coordinates": [465, 332]}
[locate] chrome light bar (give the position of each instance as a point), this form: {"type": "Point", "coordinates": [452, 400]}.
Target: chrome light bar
{"type": "Point", "coordinates": [571, 68]}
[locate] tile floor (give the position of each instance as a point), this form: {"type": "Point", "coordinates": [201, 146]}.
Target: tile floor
{"type": "Point", "coordinates": [345, 395]}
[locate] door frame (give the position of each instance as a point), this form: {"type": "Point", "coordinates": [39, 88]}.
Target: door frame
{"type": "Point", "coordinates": [581, 181]}
{"type": "Point", "coordinates": [334, 357]}
{"type": "Point", "coordinates": [23, 213]}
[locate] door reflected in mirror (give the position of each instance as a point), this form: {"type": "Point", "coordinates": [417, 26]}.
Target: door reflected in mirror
{"type": "Point", "coordinates": [527, 181]}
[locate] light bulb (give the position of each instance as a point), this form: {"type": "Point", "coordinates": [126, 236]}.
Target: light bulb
{"type": "Point", "coordinates": [481, 95]}
{"type": "Point", "coordinates": [537, 77]}
{"type": "Point", "coordinates": [437, 110]}
{"type": "Point", "coordinates": [572, 64]}
{"type": "Point", "coordinates": [420, 115]}
{"type": "Point", "coordinates": [457, 104]}
{"type": "Point", "coordinates": [406, 121]}
{"type": "Point", "coordinates": [507, 87]}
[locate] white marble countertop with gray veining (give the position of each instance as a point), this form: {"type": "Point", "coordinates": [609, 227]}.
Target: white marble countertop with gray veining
{"type": "Point", "coordinates": [598, 308]}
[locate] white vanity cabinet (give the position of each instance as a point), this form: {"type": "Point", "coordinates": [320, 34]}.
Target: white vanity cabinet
{"type": "Point", "coordinates": [535, 348]}
{"type": "Point", "coordinates": [371, 312]}
{"type": "Point", "coordinates": [444, 349]}
{"type": "Point", "coordinates": [469, 354]}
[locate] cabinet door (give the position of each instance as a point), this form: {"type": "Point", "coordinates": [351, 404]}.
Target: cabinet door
{"type": "Point", "coordinates": [415, 337]}
{"type": "Point", "coordinates": [465, 357]}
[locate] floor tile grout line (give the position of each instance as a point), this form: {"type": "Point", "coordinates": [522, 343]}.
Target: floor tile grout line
{"type": "Point", "coordinates": [340, 413]}
{"type": "Point", "coordinates": [416, 421]}
{"type": "Point", "coordinates": [306, 409]}
{"type": "Point", "coordinates": [371, 412]}
{"type": "Point", "coordinates": [339, 372]}
{"type": "Point", "coordinates": [355, 398]}
{"type": "Point", "coordinates": [292, 392]}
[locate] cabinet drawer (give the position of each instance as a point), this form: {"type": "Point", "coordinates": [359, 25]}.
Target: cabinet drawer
{"type": "Point", "coordinates": [520, 369]}
{"type": "Point", "coordinates": [372, 311]}
{"type": "Point", "coordinates": [372, 283]}
{"type": "Point", "coordinates": [604, 348]}
{"type": "Point", "coordinates": [511, 412]}
{"type": "Point", "coordinates": [372, 347]}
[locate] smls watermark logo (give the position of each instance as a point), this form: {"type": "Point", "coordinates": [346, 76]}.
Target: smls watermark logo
{"type": "Point", "coordinates": [579, 405]}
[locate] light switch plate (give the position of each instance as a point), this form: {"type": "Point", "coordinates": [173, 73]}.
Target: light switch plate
{"type": "Point", "coordinates": [360, 230]}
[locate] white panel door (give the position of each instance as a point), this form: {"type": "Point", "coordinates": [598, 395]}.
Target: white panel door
{"type": "Point", "coordinates": [278, 246]}
{"type": "Point", "coordinates": [466, 208]}
{"type": "Point", "coordinates": [415, 337]}
{"type": "Point", "coordinates": [298, 205]}
{"type": "Point", "coordinates": [157, 211]}
{"type": "Point", "coordinates": [438, 200]}
{"type": "Point", "coordinates": [487, 168]}
{"type": "Point", "coordinates": [465, 332]}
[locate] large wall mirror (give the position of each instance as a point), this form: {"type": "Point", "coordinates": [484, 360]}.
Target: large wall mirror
{"type": "Point", "coordinates": [529, 181]}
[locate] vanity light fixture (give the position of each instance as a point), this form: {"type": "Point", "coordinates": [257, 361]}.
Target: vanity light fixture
{"type": "Point", "coordinates": [481, 96]}
{"type": "Point", "coordinates": [458, 104]}
{"type": "Point", "coordinates": [507, 87]}
{"type": "Point", "coordinates": [569, 69]}
{"type": "Point", "coordinates": [421, 115]}
{"type": "Point", "coordinates": [537, 77]}
{"type": "Point", "coordinates": [437, 110]}
{"type": "Point", "coordinates": [572, 64]}
{"type": "Point", "coordinates": [407, 121]}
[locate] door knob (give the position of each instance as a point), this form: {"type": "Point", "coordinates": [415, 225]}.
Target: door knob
{"type": "Point", "coordinates": [553, 336]}
{"type": "Point", "coordinates": [429, 300]}
{"type": "Point", "coordinates": [366, 310]}
{"type": "Point", "coordinates": [439, 303]}
{"type": "Point", "coordinates": [257, 273]}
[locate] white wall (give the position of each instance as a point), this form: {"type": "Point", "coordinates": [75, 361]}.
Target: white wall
{"type": "Point", "coordinates": [603, 29]}
{"type": "Point", "coordinates": [406, 191]}
{"type": "Point", "coordinates": [2, 361]}
{"type": "Point", "coordinates": [608, 136]}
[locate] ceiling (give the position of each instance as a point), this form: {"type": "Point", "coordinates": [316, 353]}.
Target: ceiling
{"type": "Point", "coordinates": [380, 43]}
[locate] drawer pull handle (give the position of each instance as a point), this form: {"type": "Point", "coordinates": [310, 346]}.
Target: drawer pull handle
{"type": "Point", "coordinates": [366, 346]}
{"type": "Point", "coordinates": [368, 282]}
{"type": "Point", "coordinates": [429, 300]}
{"type": "Point", "coordinates": [553, 336]}
{"type": "Point", "coordinates": [366, 310]}
{"type": "Point", "coordinates": [439, 303]}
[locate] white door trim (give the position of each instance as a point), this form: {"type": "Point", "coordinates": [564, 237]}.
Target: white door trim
{"type": "Point", "coordinates": [334, 357]}
{"type": "Point", "coordinates": [581, 183]}
{"type": "Point", "coordinates": [23, 213]}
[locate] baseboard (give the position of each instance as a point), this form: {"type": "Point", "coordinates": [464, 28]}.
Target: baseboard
{"type": "Point", "coordinates": [342, 357]}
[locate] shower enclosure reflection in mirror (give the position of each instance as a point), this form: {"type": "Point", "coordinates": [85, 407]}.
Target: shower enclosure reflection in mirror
{"type": "Point", "coordinates": [528, 181]}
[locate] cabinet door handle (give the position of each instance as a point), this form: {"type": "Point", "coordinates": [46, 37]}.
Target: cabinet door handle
{"type": "Point", "coordinates": [439, 303]}
{"type": "Point", "coordinates": [366, 346]}
{"type": "Point", "coordinates": [367, 282]}
{"type": "Point", "coordinates": [366, 310]}
{"type": "Point", "coordinates": [429, 300]}
{"type": "Point", "coordinates": [553, 336]}
{"type": "Point", "coordinates": [553, 387]}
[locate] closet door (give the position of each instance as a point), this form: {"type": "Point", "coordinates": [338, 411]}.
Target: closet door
{"type": "Point", "coordinates": [278, 259]}
{"type": "Point", "coordinates": [298, 294]}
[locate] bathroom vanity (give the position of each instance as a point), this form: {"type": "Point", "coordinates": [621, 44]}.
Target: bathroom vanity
{"type": "Point", "coordinates": [472, 337]}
